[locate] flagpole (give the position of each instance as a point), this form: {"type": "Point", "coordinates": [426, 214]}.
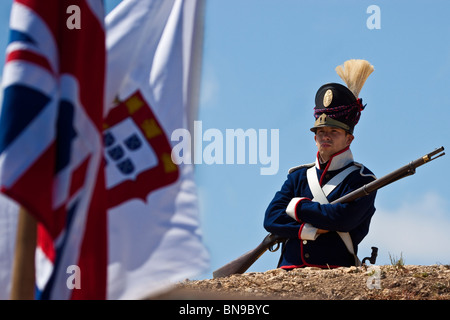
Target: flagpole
{"type": "Point", "coordinates": [23, 273]}
{"type": "Point", "coordinates": [194, 81]}
{"type": "Point", "coordinates": [195, 70]}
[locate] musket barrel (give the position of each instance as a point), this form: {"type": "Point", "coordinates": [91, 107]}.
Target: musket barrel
{"type": "Point", "coordinates": [400, 173]}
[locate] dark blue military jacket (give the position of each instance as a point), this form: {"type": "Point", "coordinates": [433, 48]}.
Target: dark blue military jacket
{"type": "Point", "coordinates": [327, 250]}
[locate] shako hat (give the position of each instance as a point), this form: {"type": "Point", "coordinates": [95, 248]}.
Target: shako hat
{"type": "Point", "coordinates": [337, 105]}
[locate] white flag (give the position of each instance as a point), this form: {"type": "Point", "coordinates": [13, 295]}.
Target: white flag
{"type": "Point", "coordinates": [153, 49]}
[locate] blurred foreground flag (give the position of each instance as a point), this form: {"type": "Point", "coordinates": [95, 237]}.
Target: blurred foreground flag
{"type": "Point", "coordinates": [153, 69]}
{"type": "Point", "coordinates": [51, 155]}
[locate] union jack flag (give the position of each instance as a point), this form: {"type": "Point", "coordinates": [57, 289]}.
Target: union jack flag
{"type": "Point", "coordinates": [51, 144]}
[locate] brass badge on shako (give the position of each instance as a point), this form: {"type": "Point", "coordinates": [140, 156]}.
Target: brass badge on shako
{"type": "Point", "coordinates": [327, 98]}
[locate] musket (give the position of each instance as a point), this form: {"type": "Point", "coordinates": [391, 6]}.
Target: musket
{"type": "Point", "coordinates": [243, 262]}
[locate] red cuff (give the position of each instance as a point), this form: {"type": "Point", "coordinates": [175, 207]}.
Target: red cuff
{"type": "Point", "coordinates": [297, 207]}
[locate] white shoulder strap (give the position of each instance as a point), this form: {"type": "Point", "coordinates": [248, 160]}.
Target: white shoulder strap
{"type": "Point", "coordinates": [320, 195]}
{"type": "Point", "coordinates": [314, 186]}
{"type": "Point", "coordinates": [337, 179]}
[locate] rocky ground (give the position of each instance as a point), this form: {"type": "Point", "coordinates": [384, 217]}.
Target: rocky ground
{"type": "Point", "coordinates": [399, 282]}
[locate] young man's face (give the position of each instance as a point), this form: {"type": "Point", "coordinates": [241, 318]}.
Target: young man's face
{"type": "Point", "coordinates": [330, 140]}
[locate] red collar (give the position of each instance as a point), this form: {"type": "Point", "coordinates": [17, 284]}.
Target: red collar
{"type": "Point", "coordinates": [337, 161]}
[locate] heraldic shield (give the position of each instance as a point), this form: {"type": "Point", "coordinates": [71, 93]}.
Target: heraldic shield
{"type": "Point", "coordinates": [137, 152]}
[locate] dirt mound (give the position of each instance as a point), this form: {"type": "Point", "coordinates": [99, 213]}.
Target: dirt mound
{"type": "Point", "coordinates": [408, 282]}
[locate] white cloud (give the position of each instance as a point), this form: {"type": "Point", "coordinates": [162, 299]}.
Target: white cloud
{"type": "Point", "coordinates": [418, 230]}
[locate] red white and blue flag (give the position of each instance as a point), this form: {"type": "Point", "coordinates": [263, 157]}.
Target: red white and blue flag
{"type": "Point", "coordinates": [90, 157]}
{"type": "Point", "coordinates": [51, 154]}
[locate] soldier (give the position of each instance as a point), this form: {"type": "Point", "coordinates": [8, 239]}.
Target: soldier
{"type": "Point", "coordinates": [321, 234]}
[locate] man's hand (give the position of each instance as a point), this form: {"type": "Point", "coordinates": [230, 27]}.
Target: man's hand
{"type": "Point", "coordinates": [320, 231]}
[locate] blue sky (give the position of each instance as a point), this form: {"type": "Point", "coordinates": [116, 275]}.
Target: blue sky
{"type": "Point", "coordinates": [263, 63]}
